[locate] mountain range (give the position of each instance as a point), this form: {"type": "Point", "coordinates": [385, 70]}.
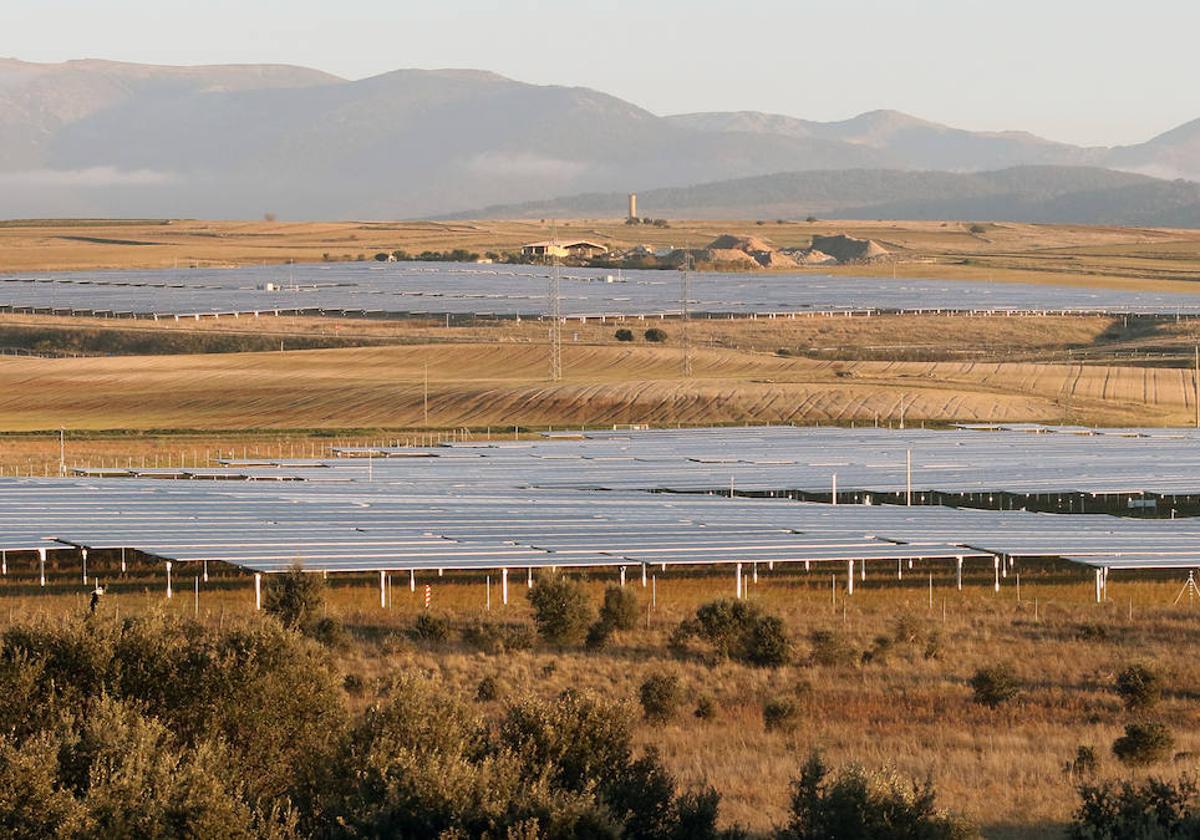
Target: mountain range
{"type": "Point", "coordinates": [101, 138]}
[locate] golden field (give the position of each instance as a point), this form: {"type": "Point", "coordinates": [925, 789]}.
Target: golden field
{"type": "Point", "coordinates": [500, 384]}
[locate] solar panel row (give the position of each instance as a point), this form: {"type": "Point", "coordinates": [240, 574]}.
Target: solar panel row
{"type": "Point", "coordinates": [371, 289]}
{"type": "Point", "coordinates": [549, 503]}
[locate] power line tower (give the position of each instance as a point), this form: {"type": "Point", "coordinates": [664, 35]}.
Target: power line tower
{"type": "Point", "coordinates": [555, 307]}
{"type": "Point", "coordinates": [685, 294]}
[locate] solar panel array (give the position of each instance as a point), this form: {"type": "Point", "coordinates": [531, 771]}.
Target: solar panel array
{"type": "Point", "coordinates": [586, 501]}
{"type": "Point", "coordinates": [382, 289]}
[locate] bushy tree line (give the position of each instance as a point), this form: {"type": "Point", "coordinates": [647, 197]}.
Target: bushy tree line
{"type": "Point", "coordinates": [159, 727]}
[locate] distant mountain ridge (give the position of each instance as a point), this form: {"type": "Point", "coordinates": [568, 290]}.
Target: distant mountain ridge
{"type": "Point", "coordinates": [1045, 194]}
{"type": "Point", "coordinates": [103, 138]}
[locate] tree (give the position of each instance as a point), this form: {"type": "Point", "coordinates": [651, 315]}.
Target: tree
{"type": "Point", "coordinates": [995, 685]}
{"type": "Point", "coordinates": [1143, 744]}
{"type": "Point", "coordinates": [660, 695]}
{"type": "Point", "coordinates": [295, 597]}
{"type": "Point", "coordinates": [737, 630]}
{"type": "Point", "coordinates": [561, 609]}
{"type": "Point", "coordinates": [856, 804]}
{"type": "Point", "coordinates": [1139, 687]}
{"type": "Point", "coordinates": [624, 334]}
{"type": "Point", "coordinates": [655, 335]}
{"type": "Point", "coordinates": [1155, 808]}
{"type": "Point", "coordinates": [620, 608]}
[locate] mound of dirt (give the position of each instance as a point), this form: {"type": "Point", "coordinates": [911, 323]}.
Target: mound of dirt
{"type": "Point", "coordinates": [849, 249]}
{"type": "Point", "coordinates": [775, 259]}
{"type": "Point", "coordinates": [749, 244]}
{"type": "Point", "coordinates": [728, 256]}
{"type": "Point", "coordinates": [812, 257]}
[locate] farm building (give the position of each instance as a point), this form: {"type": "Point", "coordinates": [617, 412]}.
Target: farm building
{"type": "Point", "coordinates": [578, 248]}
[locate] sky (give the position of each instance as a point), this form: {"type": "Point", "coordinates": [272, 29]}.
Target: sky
{"type": "Point", "coordinates": [1092, 73]}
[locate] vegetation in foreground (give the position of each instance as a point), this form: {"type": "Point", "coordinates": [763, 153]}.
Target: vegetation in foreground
{"type": "Point", "coordinates": [330, 719]}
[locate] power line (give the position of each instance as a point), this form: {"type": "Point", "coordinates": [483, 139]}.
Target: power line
{"type": "Point", "coordinates": [685, 294]}
{"type": "Point", "coordinates": [555, 306]}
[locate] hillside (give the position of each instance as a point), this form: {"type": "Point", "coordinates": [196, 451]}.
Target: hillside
{"type": "Point", "coordinates": [103, 139]}
{"type": "Point", "coordinates": [1042, 194]}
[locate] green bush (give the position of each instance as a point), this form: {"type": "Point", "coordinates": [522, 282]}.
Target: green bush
{"type": "Point", "coordinates": [736, 630]}
{"type": "Point", "coordinates": [164, 727]}
{"type": "Point", "coordinates": [830, 648]}
{"type": "Point", "coordinates": [620, 608]}
{"type": "Point", "coordinates": [995, 685]}
{"type": "Point", "coordinates": [624, 334]}
{"type": "Point", "coordinates": [295, 597]}
{"type": "Point", "coordinates": [1139, 688]}
{"type": "Point", "coordinates": [655, 335]}
{"type": "Point", "coordinates": [1151, 810]}
{"type": "Point", "coordinates": [561, 610]}
{"type": "Point", "coordinates": [1085, 762]}
{"type": "Point", "coordinates": [487, 690]}
{"type": "Point", "coordinates": [856, 803]}
{"type": "Point", "coordinates": [661, 696]}
{"type": "Point", "coordinates": [908, 630]}
{"type": "Point", "coordinates": [880, 650]}
{"type": "Point", "coordinates": [781, 714]}
{"type": "Point", "coordinates": [497, 637]}
{"type": "Point", "coordinates": [1143, 744]}
{"type": "Point", "coordinates": [429, 627]}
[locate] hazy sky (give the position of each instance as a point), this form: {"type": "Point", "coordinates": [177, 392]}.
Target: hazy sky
{"type": "Point", "coordinates": [1098, 72]}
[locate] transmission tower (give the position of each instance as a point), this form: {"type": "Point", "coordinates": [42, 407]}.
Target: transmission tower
{"type": "Point", "coordinates": [685, 294]}
{"type": "Point", "coordinates": [555, 306]}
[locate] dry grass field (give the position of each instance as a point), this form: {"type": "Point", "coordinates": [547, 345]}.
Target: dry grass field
{"type": "Point", "coordinates": [1004, 768]}
{"type": "Point", "coordinates": [502, 385]}
{"type": "Point", "coordinates": [1139, 258]}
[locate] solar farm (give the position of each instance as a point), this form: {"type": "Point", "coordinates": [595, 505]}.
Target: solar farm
{"type": "Point", "coordinates": [376, 290]}
{"type": "Point", "coordinates": [631, 501]}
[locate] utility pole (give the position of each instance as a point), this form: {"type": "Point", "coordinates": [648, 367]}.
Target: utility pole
{"type": "Point", "coordinates": [555, 306]}
{"type": "Point", "coordinates": [1196, 382]}
{"type": "Point", "coordinates": [426, 394]}
{"type": "Point", "coordinates": [62, 451]}
{"type": "Point", "coordinates": [685, 293]}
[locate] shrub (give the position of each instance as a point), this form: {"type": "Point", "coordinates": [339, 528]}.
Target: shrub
{"type": "Point", "coordinates": [933, 646]}
{"type": "Point", "coordinates": [598, 635]}
{"type": "Point", "coordinates": [856, 803]}
{"type": "Point", "coordinates": [328, 631]}
{"type": "Point", "coordinates": [736, 630]}
{"type": "Point", "coordinates": [1152, 809]}
{"type": "Point", "coordinates": [620, 608]}
{"type": "Point", "coordinates": [1085, 762]}
{"type": "Point", "coordinates": [353, 685]}
{"type": "Point", "coordinates": [561, 609]}
{"type": "Point", "coordinates": [295, 597]}
{"type": "Point", "coordinates": [1143, 744]}
{"type": "Point", "coordinates": [661, 696]}
{"type": "Point", "coordinates": [977, 228]}
{"type": "Point", "coordinates": [487, 690]}
{"type": "Point", "coordinates": [879, 651]}
{"type": "Point", "coordinates": [496, 637]}
{"type": "Point", "coordinates": [830, 648]}
{"type": "Point", "coordinates": [781, 714]}
{"type": "Point", "coordinates": [909, 630]}
{"type": "Point", "coordinates": [706, 709]}
{"type": "Point", "coordinates": [624, 334]}
{"type": "Point", "coordinates": [655, 335]}
{"type": "Point", "coordinates": [430, 628]}
{"type": "Point", "coordinates": [1139, 687]}
{"type": "Point", "coordinates": [995, 685]}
